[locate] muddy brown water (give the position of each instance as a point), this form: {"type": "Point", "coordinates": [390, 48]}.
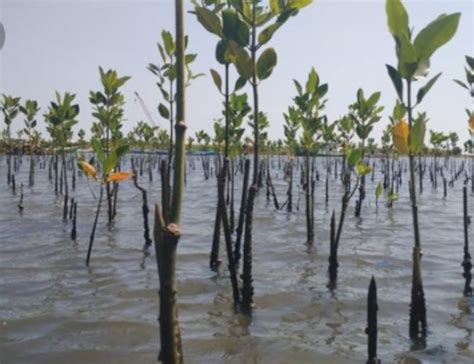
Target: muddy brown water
{"type": "Point", "coordinates": [53, 309]}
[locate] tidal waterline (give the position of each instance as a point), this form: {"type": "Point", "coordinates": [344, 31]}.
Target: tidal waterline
{"type": "Point", "coordinates": [53, 309]}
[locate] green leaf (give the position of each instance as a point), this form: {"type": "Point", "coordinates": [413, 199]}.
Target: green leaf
{"type": "Point", "coordinates": [266, 62]}
{"type": "Point", "coordinates": [354, 157]}
{"type": "Point", "coordinates": [424, 90]}
{"type": "Point", "coordinates": [313, 81]}
{"type": "Point", "coordinates": [298, 87]}
{"type": "Point", "coordinates": [462, 84]}
{"type": "Point", "coordinates": [234, 28]}
{"type": "Point", "coordinates": [299, 4]}
{"type": "Point", "coordinates": [168, 42]}
{"type": "Point", "coordinates": [373, 99]}
{"type": "Point", "coordinates": [407, 62]}
{"type": "Point", "coordinates": [242, 60]}
{"type": "Point", "coordinates": [397, 17]}
{"type": "Point", "coordinates": [436, 34]}
{"type": "Point", "coordinates": [222, 52]}
{"type": "Point", "coordinates": [267, 33]}
{"type": "Point", "coordinates": [164, 112]}
{"type": "Point", "coordinates": [239, 83]}
{"type": "Point", "coordinates": [189, 58]}
{"type": "Point", "coordinates": [275, 6]}
{"type": "Point", "coordinates": [417, 135]}
{"type": "Point", "coordinates": [378, 190]}
{"type": "Point", "coordinates": [470, 62]}
{"type": "Point", "coordinates": [209, 21]}
{"type": "Point", "coordinates": [322, 90]}
{"type": "Point", "coordinates": [110, 163]}
{"type": "Point", "coordinates": [97, 146]}
{"type": "Point", "coordinates": [217, 79]}
{"type": "Point", "coordinates": [363, 169]}
{"type": "Point", "coordinates": [121, 151]}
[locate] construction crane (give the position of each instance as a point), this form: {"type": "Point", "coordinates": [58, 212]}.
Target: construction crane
{"type": "Point", "coordinates": [145, 110]}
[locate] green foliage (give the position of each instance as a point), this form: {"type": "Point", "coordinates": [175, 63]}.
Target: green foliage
{"type": "Point", "coordinates": [266, 63]}
{"type": "Point", "coordinates": [263, 125]}
{"type": "Point", "coordinates": [309, 104]}
{"type": "Point", "coordinates": [437, 139]}
{"type": "Point", "coordinates": [61, 117]}
{"type": "Point", "coordinates": [108, 107]}
{"type": "Point", "coordinates": [143, 135]}
{"type": "Point", "coordinates": [291, 127]}
{"type": "Point", "coordinates": [414, 55]}
{"type": "Point", "coordinates": [238, 110]}
{"type": "Point", "coordinates": [234, 24]}
{"type": "Point", "coordinates": [365, 113]}
{"type": "Point", "coordinates": [30, 109]}
{"type": "Point", "coordinates": [417, 133]}
{"type": "Point", "coordinates": [10, 108]}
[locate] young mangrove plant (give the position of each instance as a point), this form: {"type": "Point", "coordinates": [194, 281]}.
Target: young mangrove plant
{"type": "Point", "coordinates": [309, 103]}
{"type": "Point", "coordinates": [108, 164]}
{"type": "Point", "coordinates": [166, 73]}
{"type": "Point", "coordinates": [414, 54]}
{"type": "Point", "coordinates": [469, 86]}
{"type": "Point", "coordinates": [365, 113]}
{"type": "Point", "coordinates": [61, 117]}
{"type": "Point", "coordinates": [353, 163]}
{"type": "Point", "coordinates": [108, 110]}
{"type": "Point", "coordinates": [10, 108]}
{"type": "Point", "coordinates": [29, 110]}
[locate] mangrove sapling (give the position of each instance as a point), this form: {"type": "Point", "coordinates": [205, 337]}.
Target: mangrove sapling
{"type": "Point", "coordinates": [371, 330]}
{"type": "Point", "coordinates": [108, 164]}
{"type": "Point", "coordinates": [437, 139]}
{"type": "Point", "coordinates": [354, 165]}
{"type": "Point", "coordinates": [61, 117]}
{"type": "Point", "coordinates": [365, 113]}
{"type": "Point", "coordinates": [245, 18]}
{"type": "Point", "coordinates": [10, 108]}
{"type": "Point", "coordinates": [413, 63]}
{"type": "Point", "coordinates": [469, 86]}
{"type": "Point", "coordinates": [229, 24]}
{"type": "Point", "coordinates": [165, 71]}
{"type": "Point", "coordinates": [29, 110]}
{"type": "Point", "coordinates": [108, 110]}
{"type": "Point", "coordinates": [167, 232]}
{"type": "Point", "coordinates": [309, 103]}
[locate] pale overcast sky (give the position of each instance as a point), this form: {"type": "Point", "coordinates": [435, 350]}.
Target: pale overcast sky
{"type": "Point", "coordinates": [59, 44]}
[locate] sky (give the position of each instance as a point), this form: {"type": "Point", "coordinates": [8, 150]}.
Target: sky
{"type": "Point", "coordinates": [59, 45]}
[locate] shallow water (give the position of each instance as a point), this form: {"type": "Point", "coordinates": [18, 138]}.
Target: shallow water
{"type": "Point", "coordinates": [53, 309]}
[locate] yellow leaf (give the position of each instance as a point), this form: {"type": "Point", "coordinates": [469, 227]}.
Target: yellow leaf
{"type": "Point", "coordinates": [88, 169]}
{"type": "Point", "coordinates": [471, 124]}
{"type": "Point", "coordinates": [119, 176]}
{"type": "Point", "coordinates": [400, 136]}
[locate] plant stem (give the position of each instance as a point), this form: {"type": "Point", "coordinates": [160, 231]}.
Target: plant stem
{"type": "Point", "coordinates": [418, 309]}
{"type": "Point", "coordinates": [91, 240]}
{"type": "Point", "coordinates": [255, 99]}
